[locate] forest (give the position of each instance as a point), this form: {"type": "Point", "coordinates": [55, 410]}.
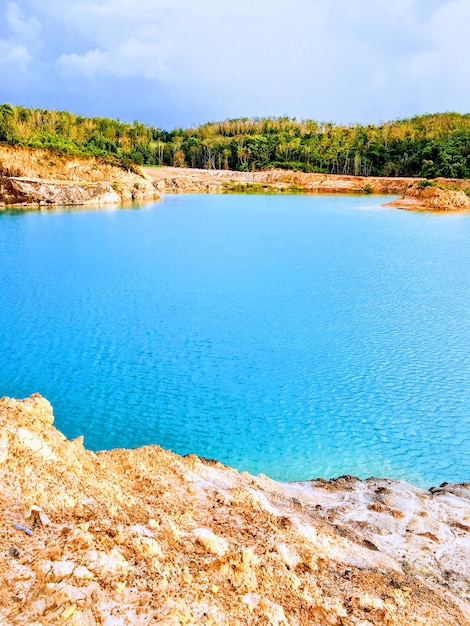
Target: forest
{"type": "Point", "coordinates": [428, 145]}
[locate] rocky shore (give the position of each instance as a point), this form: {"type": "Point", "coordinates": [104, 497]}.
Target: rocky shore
{"type": "Point", "coordinates": [38, 178]}
{"type": "Point", "coordinates": [27, 192]}
{"type": "Point", "coordinates": [438, 195]}
{"type": "Point", "coordinates": [142, 537]}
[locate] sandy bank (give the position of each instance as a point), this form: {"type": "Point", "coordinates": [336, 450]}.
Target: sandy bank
{"type": "Point", "coordinates": [144, 536]}
{"type": "Point", "coordinates": [187, 180]}
{"type": "Point", "coordinates": [440, 195]}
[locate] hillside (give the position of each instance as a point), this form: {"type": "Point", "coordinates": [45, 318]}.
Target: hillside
{"type": "Point", "coordinates": [425, 146]}
{"type": "Point", "coordinates": [146, 537]}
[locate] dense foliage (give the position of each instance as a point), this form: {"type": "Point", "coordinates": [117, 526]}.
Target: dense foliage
{"type": "Point", "coordinates": [426, 145]}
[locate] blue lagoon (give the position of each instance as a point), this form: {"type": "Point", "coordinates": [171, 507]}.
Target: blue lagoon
{"type": "Point", "coordinates": [298, 336]}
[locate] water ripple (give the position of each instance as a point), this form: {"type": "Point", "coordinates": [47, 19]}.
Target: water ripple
{"type": "Point", "coordinates": [295, 336]}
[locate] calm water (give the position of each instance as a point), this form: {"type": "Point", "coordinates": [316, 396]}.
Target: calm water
{"type": "Point", "coordinates": [295, 336]}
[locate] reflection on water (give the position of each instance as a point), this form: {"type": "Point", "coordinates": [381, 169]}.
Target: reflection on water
{"type": "Point", "coordinates": [48, 210]}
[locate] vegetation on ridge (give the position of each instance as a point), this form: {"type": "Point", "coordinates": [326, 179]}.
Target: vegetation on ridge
{"type": "Point", "coordinates": [427, 145]}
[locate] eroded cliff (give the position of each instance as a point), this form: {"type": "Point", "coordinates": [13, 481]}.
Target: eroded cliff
{"type": "Point", "coordinates": [41, 178]}
{"type": "Point", "coordinates": [137, 537]}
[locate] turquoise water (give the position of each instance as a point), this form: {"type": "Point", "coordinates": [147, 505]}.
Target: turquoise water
{"type": "Point", "coordinates": [299, 336]}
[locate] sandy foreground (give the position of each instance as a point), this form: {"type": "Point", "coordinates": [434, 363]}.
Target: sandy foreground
{"type": "Point", "coordinates": [144, 536]}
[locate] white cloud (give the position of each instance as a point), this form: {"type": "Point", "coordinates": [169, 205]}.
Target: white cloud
{"type": "Point", "coordinates": [27, 31]}
{"type": "Point", "coordinates": [13, 56]}
{"type": "Point", "coordinates": [16, 50]}
{"type": "Point", "coordinates": [129, 58]}
{"type": "Point", "coordinates": [330, 59]}
{"type": "Point", "coordinates": [439, 71]}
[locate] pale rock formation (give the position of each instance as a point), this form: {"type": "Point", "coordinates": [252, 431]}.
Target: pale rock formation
{"type": "Point", "coordinates": [432, 198]}
{"type": "Point", "coordinates": [143, 537]}
{"type": "Point", "coordinates": [28, 192]}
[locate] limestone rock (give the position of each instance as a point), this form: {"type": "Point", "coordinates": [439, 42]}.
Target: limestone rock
{"type": "Point", "coordinates": [127, 543]}
{"type": "Point", "coordinates": [37, 192]}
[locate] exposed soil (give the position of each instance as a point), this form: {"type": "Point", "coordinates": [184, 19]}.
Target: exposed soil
{"type": "Point", "coordinates": [41, 178]}
{"type": "Point", "coordinates": [187, 180]}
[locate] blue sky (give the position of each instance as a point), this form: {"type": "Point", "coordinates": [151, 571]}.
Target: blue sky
{"type": "Point", "coordinates": [178, 62]}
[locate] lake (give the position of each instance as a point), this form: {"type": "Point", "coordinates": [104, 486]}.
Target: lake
{"type": "Point", "coordinates": [298, 336]}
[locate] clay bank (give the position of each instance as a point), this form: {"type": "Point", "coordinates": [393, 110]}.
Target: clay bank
{"type": "Point", "coordinates": [140, 537]}
{"type": "Point", "coordinates": [441, 195]}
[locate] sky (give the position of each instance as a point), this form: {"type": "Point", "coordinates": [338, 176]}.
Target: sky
{"type": "Point", "coordinates": [178, 63]}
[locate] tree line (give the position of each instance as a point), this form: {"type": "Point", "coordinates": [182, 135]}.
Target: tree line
{"type": "Point", "coordinates": [429, 145]}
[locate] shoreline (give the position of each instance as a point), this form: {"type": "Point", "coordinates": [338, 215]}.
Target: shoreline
{"type": "Point", "coordinates": [439, 195]}
{"type": "Point", "coordinates": [188, 180]}
{"type": "Point", "coordinates": [37, 178]}
{"type": "Point", "coordinates": [145, 536]}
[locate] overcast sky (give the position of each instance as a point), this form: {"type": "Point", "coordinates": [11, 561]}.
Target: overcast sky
{"type": "Point", "coordinates": [181, 62]}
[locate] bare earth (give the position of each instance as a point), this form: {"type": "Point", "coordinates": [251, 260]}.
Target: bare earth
{"type": "Point", "coordinates": [143, 537]}
{"type": "Point", "coordinates": [187, 180]}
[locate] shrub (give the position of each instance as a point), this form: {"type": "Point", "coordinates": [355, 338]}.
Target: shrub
{"type": "Point", "coordinates": [295, 189]}
{"type": "Point", "coordinates": [425, 183]}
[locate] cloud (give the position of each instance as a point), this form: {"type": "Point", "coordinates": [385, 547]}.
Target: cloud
{"type": "Point", "coordinates": [26, 30]}
{"type": "Point", "coordinates": [328, 59]}
{"type": "Point", "coordinates": [440, 71]}
{"type": "Point", "coordinates": [13, 57]}
{"type": "Point", "coordinates": [17, 48]}
{"type": "Point", "coordinates": [129, 58]}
